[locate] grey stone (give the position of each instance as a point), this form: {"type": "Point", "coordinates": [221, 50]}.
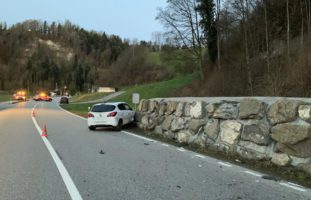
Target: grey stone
{"type": "Point", "coordinates": [196, 124]}
{"type": "Point", "coordinates": [307, 168]}
{"type": "Point", "coordinates": [301, 149]}
{"type": "Point", "coordinates": [257, 133]}
{"type": "Point", "coordinates": [187, 110]}
{"type": "Point", "coordinates": [251, 109]}
{"type": "Point", "coordinates": [280, 159]}
{"type": "Point", "coordinates": [178, 124]}
{"type": "Point", "coordinates": [179, 109]}
{"type": "Point", "coordinates": [212, 128]}
{"type": "Point", "coordinates": [200, 139]}
{"type": "Point", "coordinates": [290, 133]}
{"type": "Point", "coordinates": [169, 135]}
{"type": "Point", "coordinates": [305, 112]}
{"type": "Point", "coordinates": [210, 109]}
{"type": "Point", "coordinates": [252, 151]}
{"type": "Point", "coordinates": [283, 110]}
{"type": "Point", "coordinates": [296, 161]}
{"type": "Point", "coordinates": [144, 105]}
{"type": "Point", "coordinates": [158, 130]}
{"type": "Point", "coordinates": [138, 116]}
{"type": "Point", "coordinates": [183, 136]}
{"type": "Point", "coordinates": [171, 107]}
{"type": "Point", "coordinates": [153, 106]}
{"type": "Point", "coordinates": [226, 110]}
{"type": "Point", "coordinates": [230, 132]}
{"type": "Point", "coordinates": [145, 120]}
{"type": "Point", "coordinates": [162, 108]}
{"type": "Point", "coordinates": [196, 109]}
{"type": "Point", "coordinates": [166, 125]}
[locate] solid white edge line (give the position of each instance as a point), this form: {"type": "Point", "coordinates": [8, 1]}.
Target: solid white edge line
{"type": "Point", "coordinates": [253, 173]}
{"type": "Point", "coordinates": [163, 144]}
{"type": "Point", "coordinates": [71, 187]}
{"type": "Point", "coordinates": [138, 136]}
{"type": "Point", "coordinates": [199, 156]}
{"type": "Point", "coordinates": [181, 149]}
{"type": "Point", "coordinates": [293, 187]}
{"type": "Point", "coordinates": [224, 164]}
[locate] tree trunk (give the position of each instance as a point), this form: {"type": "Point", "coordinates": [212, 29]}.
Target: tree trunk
{"type": "Point", "coordinates": [218, 35]}
{"type": "Point", "coordinates": [288, 29]}
{"type": "Point", "coordinates": [267, 36]}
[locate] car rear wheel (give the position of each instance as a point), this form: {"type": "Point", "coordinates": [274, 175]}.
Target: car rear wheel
{"type": "Point", "coordinates": [92, 128]}
{"type": "Point", "coordinates": [119, 126]}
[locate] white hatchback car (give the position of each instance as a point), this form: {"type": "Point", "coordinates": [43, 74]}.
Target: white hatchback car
{"type": "Point", "coordinates": [113, 115]}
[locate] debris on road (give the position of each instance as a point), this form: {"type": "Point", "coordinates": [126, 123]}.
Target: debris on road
{"type": "Point", "coordinates": [102, 152]}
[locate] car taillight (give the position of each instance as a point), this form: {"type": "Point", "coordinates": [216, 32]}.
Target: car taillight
{"type": "Point", "coordinates": [90, 115]}
{"type": "Point", "coordinates": [112, 114]}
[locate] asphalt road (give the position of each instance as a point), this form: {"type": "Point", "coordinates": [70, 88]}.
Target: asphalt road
{"type": "Point", "coordinates": [106, 164]}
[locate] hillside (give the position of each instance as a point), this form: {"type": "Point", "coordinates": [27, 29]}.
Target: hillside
{"type": "Point", "coordinates": [35, 55]}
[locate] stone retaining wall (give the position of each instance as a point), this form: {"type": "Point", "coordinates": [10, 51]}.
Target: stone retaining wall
{"type": "Point", "coordinates": [254, 129]}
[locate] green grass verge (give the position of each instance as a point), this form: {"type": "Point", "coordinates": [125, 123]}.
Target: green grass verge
{"type": "Point", "coordinates": [154, 90]}
{"type": "Point", "coordinates": [147, 91]}
{"type": "Point", "coordinates": [5, 97]}
{"type": "Point", "coordinates": [87, 97]}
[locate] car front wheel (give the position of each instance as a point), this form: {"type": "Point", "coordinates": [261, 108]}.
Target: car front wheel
{"type": "Point", "coordinates": [92, 128]}
{"type": "Point", "coordinates": [119, 126]}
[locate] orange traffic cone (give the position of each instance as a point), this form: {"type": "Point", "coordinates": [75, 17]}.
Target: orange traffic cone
{"type": "Point", "coordinates": [44, 131]}
{"type": "Point", "coordinates": [33, 113]}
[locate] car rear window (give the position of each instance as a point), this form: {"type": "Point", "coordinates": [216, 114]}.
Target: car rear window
{"type": "Point", "coordinates": [103, 108]}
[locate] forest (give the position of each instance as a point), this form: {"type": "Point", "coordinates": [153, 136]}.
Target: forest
{"type": "Point", "coordinates": [238, 48]}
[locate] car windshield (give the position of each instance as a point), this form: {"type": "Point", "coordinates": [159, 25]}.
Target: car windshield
{"type": "Point", "coordinates": [103, 108]}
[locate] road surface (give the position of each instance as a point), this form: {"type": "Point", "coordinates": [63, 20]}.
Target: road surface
{"type": "Point", "coordinates": [75, 163]}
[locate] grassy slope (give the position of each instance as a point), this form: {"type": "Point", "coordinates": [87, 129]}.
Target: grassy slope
{"type": "Point", "coordinates": [152, 90]}
{"type": "Point", "coordinates": [87, 97]}
{"type": "Point", "coordinates": [4, 96]}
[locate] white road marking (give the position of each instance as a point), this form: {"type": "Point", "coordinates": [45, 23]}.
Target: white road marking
{"type": "Point", "coordinates": [138, 136]}
{"type": "Point", "coordinates": [293, 187]}
{"type": "Point", "coordinates": [181, 149]}
{"type": "Point", "coordinates": [163, 144]}
{"type": "Point", "coordinates": [253, 173]}
{"type": "Point", "coordinates": [71, 187]}
{"type": "Point", "coordinates": [199, 156]}
{"type": "Point", "coordinates": [224, 164]}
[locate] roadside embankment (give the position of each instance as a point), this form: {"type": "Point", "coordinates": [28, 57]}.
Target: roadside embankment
{"type": "Point", "coordinates": [270, 129]}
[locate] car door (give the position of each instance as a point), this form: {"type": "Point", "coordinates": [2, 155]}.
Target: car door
{"type": "Point", "coordinates": [123, 114]}
{"type": "Point", "coordinates": [129, 112]}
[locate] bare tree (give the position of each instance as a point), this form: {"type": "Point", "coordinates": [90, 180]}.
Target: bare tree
{"type": "Point", "coordinates": [180, 17]}
{"type": "Point", "coordinates": [267, 35]}
{"type": "Point", "coordinates": [218, 34]}
{"type": "Point", "coordinates": [288, 29]}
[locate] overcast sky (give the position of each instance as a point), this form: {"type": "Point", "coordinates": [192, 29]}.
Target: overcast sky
{"type": "Point", "coordinates": [127, 18]}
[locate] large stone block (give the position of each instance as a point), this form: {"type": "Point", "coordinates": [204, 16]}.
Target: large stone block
{"type": "Point", "coordinates": [257, 133]}
{"type": "Point", "coordinates": [301, 149]}
{"type": "Point", "coordinates": [158, 130]}
{"type": "Point", "coordinates": [250, 150]}
{"type": "Point", "coordinates": [166, 125]}
{"type": "Point", "coordinates": [162, 108]}
{"type": "Point", "coordinates": [227, 110]}
{"type": "Point", "coordinates": [212, 128]}
{"type": "Point", "coordinates": [196, 109]}
{"type": "Point", "coordinates": [230, 132]}
{"type": "Point", "coordinates": [290, 133]}
{"type": "Point", "coordinates": [171, 107]}
{"type": "Point", "coordinates": [187, 108]}
{"type": "Point", "coordinates": [153, 106]}
{"type": "Point", "coordinates": [280, 159]}
{"type": "Point", "coordinates": [183, 136]}
{"type": "Point", "coordinates": [178, 124]}
{"type": "Point", "coordinates": [305, 112]}
{"type": "Point", "coordinates": [283, 110]}
{"type": "Point", "coordinates": [179, 109]}
{"type": "Point", "coordinates": [210, 109]}
{"type": "Point", "coordinates": [143, 105]}
{"type": "Point", "coordinates": [251, 109]}
{"type": "Point", "coordinates": [196, 124]}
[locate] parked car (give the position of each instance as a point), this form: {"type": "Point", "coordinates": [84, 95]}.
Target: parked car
{"type": "Point", "coordinates": [42, 97]}
{"type": "Point", "coordinates": [114, 115]}
{"type": "Point", "coordinates": [64, 100]}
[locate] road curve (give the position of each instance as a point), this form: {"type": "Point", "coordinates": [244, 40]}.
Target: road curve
{"type": "Point", "coordinates": [106, 164]}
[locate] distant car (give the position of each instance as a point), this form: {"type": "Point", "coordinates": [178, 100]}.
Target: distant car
{"type": "Point", "coordinates": [20, 96]}
{"type": "Point", "coordinates": [114, 115]}
{"type": "Point", "coordinates": [64, 100]}
{"type": "Point", "coordinates": [42, 97]}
